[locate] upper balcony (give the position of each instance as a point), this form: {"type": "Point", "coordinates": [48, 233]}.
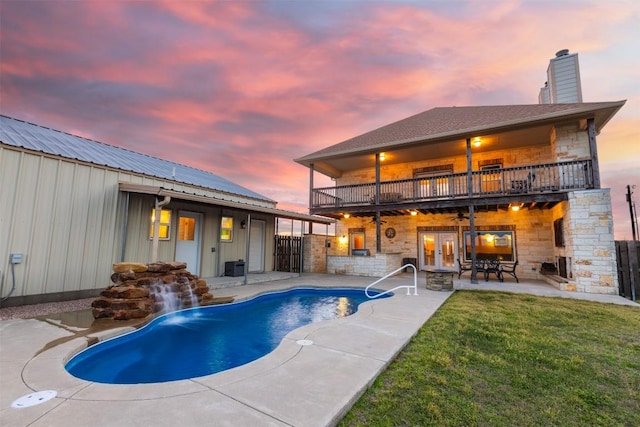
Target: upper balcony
{"type": "Point", "coordinates": [536, 185]}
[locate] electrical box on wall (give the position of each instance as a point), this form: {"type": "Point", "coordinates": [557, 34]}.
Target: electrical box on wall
{"type": "Point", "coordinates": [16, 258]}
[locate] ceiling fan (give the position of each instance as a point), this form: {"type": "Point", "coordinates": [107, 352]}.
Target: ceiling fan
{"type": "Point", "coordinates": [459, 217]}
{"type": "Point", "coordinates": [373, 220]}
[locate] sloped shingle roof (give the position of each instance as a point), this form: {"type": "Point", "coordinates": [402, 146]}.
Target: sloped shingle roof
{"type": "Point", "coordinates": [38, 138]}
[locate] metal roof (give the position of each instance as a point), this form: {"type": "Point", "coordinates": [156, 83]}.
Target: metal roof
{"type": "Point", "coordinates": [34, 137]}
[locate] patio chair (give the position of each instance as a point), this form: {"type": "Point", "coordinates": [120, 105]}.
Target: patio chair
{"type": "Point", "coordinates": [481, 266]}
{"type": "Point", "coordinates": [509, 269]}
{"type": "Point", "coordinates": [462, 267]}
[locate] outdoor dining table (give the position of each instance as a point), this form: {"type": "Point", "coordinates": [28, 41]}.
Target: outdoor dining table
{"type": "Point", "coordinates": [488, 267]}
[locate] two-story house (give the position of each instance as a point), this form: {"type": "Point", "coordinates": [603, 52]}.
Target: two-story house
{"type": "Point", "coordinates": [513, 183]}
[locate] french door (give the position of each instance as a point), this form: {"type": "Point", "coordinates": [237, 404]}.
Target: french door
{"type": "Point", "coordinates": [438, 250]}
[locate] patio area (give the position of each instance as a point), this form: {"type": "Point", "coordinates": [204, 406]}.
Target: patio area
{"type": "Point", "coordinates": [295, 385]}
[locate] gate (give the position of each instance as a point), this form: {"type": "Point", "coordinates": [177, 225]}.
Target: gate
{"type": "Point", "coordinates": [288, 254]}
{"type": "Point", "coordinates": [628, 256]}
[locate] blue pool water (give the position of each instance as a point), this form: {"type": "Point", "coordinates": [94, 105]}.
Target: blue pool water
{"type": "Point", "coordinates": [205, 340]}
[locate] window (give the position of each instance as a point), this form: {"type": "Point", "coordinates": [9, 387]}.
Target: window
{"type": "Point", "coordinates": [226, 229]}
{"type": "Point", "coordinates": [558, 226]}
{"type": "Point", "coordinates": [491, 245]}
{"type": "Point", "coordinates": [187, 228]}
{"type": "Point", "coordinates": [164, 228]}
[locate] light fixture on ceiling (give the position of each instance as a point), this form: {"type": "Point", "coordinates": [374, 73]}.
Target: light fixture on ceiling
{"type": "Point", "coordinates": [347, 215]}
{"type": "Point", "coordinates": [414, 213]}
{"type": "Point", "coordinates": [477, 142]}
{"type": "Point", "coordinates": [516, 206]}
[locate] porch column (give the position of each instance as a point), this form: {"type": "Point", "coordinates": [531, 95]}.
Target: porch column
{"type": "Point", "coordinates": [595, 167]}
{"type": "Point", "coordinates": [247, 248]}
{"type": "Point", "coordinates": [301, 252]}
{"type": "Point", "coordinates": [378, 234]}
{"type": "Point", "coordinates": [472, 228]}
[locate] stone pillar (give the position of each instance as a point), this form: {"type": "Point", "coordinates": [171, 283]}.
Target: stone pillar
{"type": "Point", "coordinates": [589, 241]}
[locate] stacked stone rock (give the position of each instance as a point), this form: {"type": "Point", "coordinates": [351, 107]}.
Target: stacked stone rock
{"type": "Point", "coordinates": [132, 297]}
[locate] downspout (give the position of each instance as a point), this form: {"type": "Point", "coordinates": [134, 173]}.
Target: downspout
{"type": "Point", "coordinates": [156, 226]}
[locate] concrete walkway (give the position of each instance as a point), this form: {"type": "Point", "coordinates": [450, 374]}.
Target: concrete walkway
{"type": "Point", "coordinates": [295, 385]}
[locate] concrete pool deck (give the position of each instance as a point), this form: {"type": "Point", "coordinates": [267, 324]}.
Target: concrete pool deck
{"type": "Point", "coordinates": [295, 385]}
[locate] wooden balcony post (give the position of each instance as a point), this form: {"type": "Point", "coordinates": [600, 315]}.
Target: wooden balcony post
{"type": "Point", "coordinates": [310, 185]}
{"type": "Point", "coordinates": [377, 205]}
{"type": "Point", "coordinates": [595, 168]}
{"type": "Point", "coordinates": [472, 228]}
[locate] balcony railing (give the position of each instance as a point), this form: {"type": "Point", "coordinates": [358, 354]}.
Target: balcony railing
{"type": "Point", "coordinates": [541, 178]}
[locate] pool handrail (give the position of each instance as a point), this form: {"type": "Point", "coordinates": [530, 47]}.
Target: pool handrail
{"type": "Point", "coordinates": [415, 283]}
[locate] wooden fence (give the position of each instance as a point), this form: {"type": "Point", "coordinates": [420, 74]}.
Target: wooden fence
{"type": "Point", "coordinates": [288, 257]}
{"type": "Point", "coordinates": [628, 255]}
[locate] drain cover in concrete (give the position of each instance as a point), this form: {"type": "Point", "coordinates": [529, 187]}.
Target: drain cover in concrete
{"type": "Point", "coordinates": [34, 399]}
{"type": "Point", "coordinates": [304, 342]}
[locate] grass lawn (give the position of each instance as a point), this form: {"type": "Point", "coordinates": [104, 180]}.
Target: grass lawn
{"type": "Point", "coordinates": [497, 359]}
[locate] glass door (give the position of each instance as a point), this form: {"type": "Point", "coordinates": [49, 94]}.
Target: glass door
{"type": "Point", "coordinates": [438, 251]}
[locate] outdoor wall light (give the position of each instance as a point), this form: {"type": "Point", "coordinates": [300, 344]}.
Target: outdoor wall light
{"type": "Point", "coordinates": [243, 224]}
{"type": "Point", "coordinates": [382, 156]}
{"type": "Point", "coordinates": [343, 239]}
{"type": "Point", "coordinates": [346, 215]}
{"type": "Point", "coordinates": [477, 142]}
{"type": "Point", "coordinates": [414, 213]}
{"type": "Point", "coordinates": [516, 208]}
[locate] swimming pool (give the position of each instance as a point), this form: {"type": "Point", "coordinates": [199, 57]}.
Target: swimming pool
{"type": "Point", "coordinates": [205, 340]}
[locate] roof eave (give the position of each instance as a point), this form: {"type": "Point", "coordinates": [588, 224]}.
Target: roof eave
{"type": "Point", "coordinates": [281, 213]}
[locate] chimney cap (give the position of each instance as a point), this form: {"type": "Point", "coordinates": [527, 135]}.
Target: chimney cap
{"type": "Point", "coordinates": [562, 52]}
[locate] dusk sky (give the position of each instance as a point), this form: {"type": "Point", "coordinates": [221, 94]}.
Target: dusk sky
{"type": "Point", "coordinates": [241, 88]}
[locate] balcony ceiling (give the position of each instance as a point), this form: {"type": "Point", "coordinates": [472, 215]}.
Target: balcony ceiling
{"type": "Point", "coordinates": [442, 132]}
{"type": "Point", "coordinates": [438, 149]}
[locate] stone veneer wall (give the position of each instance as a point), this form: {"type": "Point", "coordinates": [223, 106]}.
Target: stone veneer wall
{"type": "Point", "coordinates": [533, 228]}
{"type": "Point", "coordinates": [371, 266]}
{"type": "Point", "coordinates": [515, 157]}
{"type": "Point", "coordinates": [589, 242]}
{"type": "Point", "coordinates": [315, 253]}
{"type": "Point", "coordinates": [569, 143]}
